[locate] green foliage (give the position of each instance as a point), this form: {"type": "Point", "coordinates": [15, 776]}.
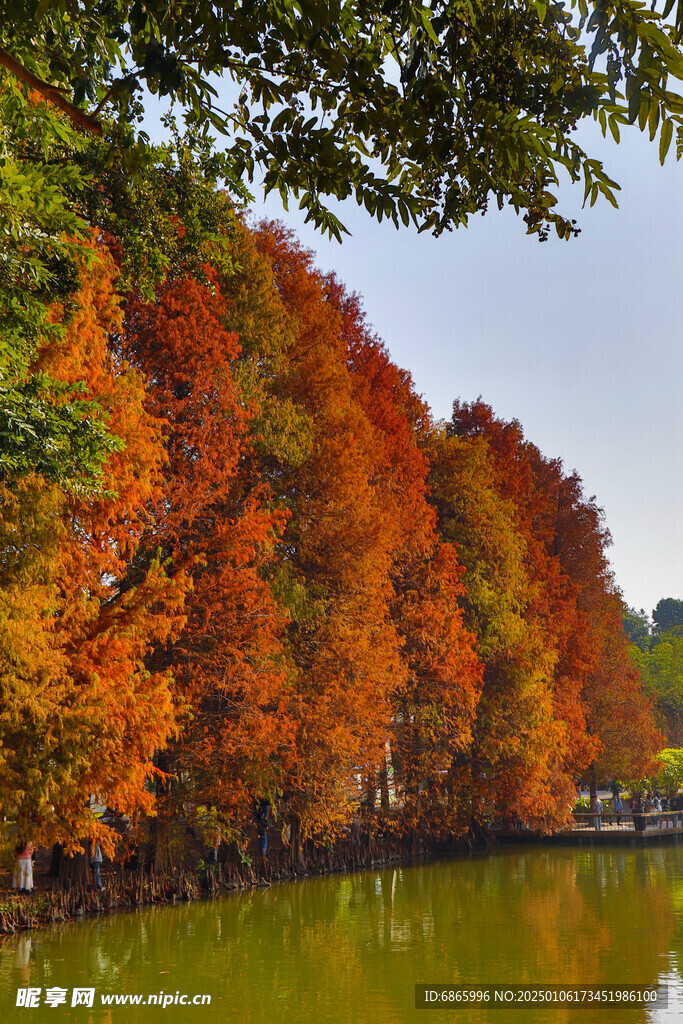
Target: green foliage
{"type": "Point", "coordinates": [670, 775]}
{"type": "Point", "coordinates": [168, 217]}
{"type": "Point", "coordinates": [658, 654]}
{"type": "Point", "coordinates": [39, 222]}
{"type": "Point", "coordinates": [661, 672]}
{"type": "Point", "coordinates": [43, 425]}
{"type": "Point", "coordinates": [420, 112]}
{"type": "Point", "coordinates": [669, 778]}
{"type": "Point", "coordinates": [168, 210]}
{"type": "Point", "coordinates": [46, 427]}
{"type": "Point", "coordinates": [667, 614]}
{"type": "Point", "coordinates": [295, 597]}
{"type": "Point", "coordinates": [637, 628]}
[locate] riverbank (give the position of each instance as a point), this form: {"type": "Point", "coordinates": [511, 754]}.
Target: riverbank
{"type": "Point", "coordinates": [124, 888]}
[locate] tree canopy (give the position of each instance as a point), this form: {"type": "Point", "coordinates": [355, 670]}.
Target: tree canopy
{"type": "Point", "coordinates": [422, 113]}
{"type": "Point", "coordinates": [293, 585]}
{"type": "Point", "coordinates": [238, 558]}
{"type": "Point", "coordinates": [668, 614]}
{"type": "Point", "coordinates": [637, 627]}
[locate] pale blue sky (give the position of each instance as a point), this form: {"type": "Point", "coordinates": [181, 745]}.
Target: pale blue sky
{"type": "Point", "coordinates": [580, 341]}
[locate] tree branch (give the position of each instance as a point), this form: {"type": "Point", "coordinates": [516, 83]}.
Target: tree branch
{"type": "Point", "coordinates": [51, 93]}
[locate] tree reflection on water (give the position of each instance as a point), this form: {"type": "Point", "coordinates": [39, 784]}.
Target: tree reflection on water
{"type": "Point", "coordinates": [352, 947]}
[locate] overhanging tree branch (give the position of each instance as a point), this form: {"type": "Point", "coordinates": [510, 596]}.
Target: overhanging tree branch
{"type": "Point", "coordinates": [51, 93]}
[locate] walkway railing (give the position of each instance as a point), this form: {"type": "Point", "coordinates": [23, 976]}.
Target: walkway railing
{"type": "Point", "coordinates": [638, 822]}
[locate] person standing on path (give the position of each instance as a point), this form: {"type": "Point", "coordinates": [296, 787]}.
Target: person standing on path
{"type": "Point", "coordinates": [96, 864]}
{"type": "Point", "coordinates": [616, 802]}
{"type": "Point", "coordinates": [637, 811]}
{"type": "Point", "coordinates": [23, 866]}
{"type": "Point", "coordinates": [596, 810]}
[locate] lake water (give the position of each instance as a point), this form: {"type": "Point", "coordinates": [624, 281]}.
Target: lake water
{"type": "Point", "coordinates": [351, 948]}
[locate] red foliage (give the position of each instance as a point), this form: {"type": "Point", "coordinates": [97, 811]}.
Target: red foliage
{"type": "Point", "coordinates": [213, 522]}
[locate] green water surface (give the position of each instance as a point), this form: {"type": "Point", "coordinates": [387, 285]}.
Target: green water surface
{"type": "Point", "coordinates": [351, 948]}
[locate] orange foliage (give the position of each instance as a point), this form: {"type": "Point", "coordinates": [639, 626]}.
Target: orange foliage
{"type": "Point", "coordinates": [434, 707]}
{"type": "Point", "coordinates": [213, 522]}
{"type": "Point", "coordinates": [336, 555]}
{"type": "Point", "coordinates": [98, 714]}
{"type": "Point", "coordinates": [542, 603]}
{"type": "Point", "coordinates": [295, 585]}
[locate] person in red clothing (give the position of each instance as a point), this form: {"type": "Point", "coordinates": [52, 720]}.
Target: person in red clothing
{"type": "Point", "coordinates": [23, 866]}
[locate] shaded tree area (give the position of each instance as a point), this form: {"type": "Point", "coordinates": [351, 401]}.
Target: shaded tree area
{"type": "Point", "coordinates": [667, 615]}
{"type": "Point", "coordinates": [638, 627]}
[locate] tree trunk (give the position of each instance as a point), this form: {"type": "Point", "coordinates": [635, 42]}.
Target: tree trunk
{"type": "Point", "coordinates": [371, 791]}
{"type": "Point", "coordinates": [298, 860]}
{"type": "Point", "coordinates": [384, 785]}
{"type": "Point", "coordinates": [75, 871]}
{"type": "Point", "coordinates": [56, 861]}
{"type": "Point", "coordinates": [158, 826]}
{"type": "Point", "coordinates": [397, 769]}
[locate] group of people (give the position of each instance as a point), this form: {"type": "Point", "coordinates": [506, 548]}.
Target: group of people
{"type": "Point", "coordinates": [650, 803]}
{"type": "Point", "coordinates": [597, 806]}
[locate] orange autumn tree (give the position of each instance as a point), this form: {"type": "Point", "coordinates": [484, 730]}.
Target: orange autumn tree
{"type": "Point", "coordinates": [433, 709]}
{"type": "Point", "coordinates": [295, 585]}
{"type": "Point", "coordinates": [214, 523]}
{"type": "Point", "coordinates": [383, 662]}
{"type": "Point", "coordinates": [509, 768]}
{"type": "Point", "coordinates": [551, 613]}
{"type": "Point", "coordinates": [617, 722]}
{"type": "Point", "coordinates": [335, 556]}
{"type": "Point", "coordinates": [539, 597]}
{"type": "Point", "coordinates": [80, 714]}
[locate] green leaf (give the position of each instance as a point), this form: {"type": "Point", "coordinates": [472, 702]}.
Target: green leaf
{"type": "Point", "coordinates": [427, 23]}
{"type": "Point", "coordinates": [608, 194]}
{"type": "Point", "coordinates": [633, 102]}
{"type": "Point", "coordinates": [614, 127]}
{"type": "Point", "coordinates": [665, 137]}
